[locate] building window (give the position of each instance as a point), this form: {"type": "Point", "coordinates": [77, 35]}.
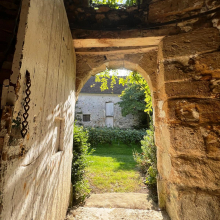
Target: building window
{"type": "Point", "coordinates": [86, 117]}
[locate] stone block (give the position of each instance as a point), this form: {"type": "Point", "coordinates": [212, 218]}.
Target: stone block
{"type": "Point", "coordinates": [198, 205]}
{"type": "Point", "coordinates": [192, 171]}
{"type": "Point", "coordinates": [1, 142]}
{"type": "Point", "coordinates": [154, 82]}
{"type": "Point", "coordinates": [82, 68]}
{"type": "Point", "coordinates": [194, 110]}
{"type": "Point", "coordinates": [215, 87]}
{"type": "Point", "coordinates": [175, 71]}
{"type": "Point", "coordinates": [112, 16]}
{"type": "Point", "coordinates": [78, 85]}
{"type": "Point", "coordinates": [164, 164]}
{"type": "Point", "coordinates": [192, 204]}
{"type": "Point", "coordinates": [162, 136]}
{"type": "Point", "coordinates": [162, 192]}
{"type": "Point", "coordinates": [115, 64]}
{"type": "Point", "coordinates": [187, 141]}
{"type": "Point", "coordinates": [95, 61]}
{"type": "Point", "coordinates": [149, 62]}
{"type": "Point", "coordinates": [103, 9]}
{"type": "Point", "coordinates": [161, 11]}
{"type": "Point", "coordinates": [187, 112]}
{"type": "Point", "coordinates": [212, 142]}
{"type": "Point", "coordinates": [100, 17]}
{"type": "Point", "coordinates": [188, 89]}
{"type": "Point", "coordinates": [210, 61]}
{"type": "Point", "coordinates": [133, 58]}
{"type": "Point", "coordinates": [200, 142]}
{"type": "Point", "coordinates": [179, 68]}
{"type": "Point", "coordinates": [197, 41]}
{"type": "Point", "coordinates": [115, 57]}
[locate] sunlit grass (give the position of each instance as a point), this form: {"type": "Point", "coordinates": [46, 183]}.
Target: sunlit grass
{"type": "Point", "coordinates": [113, 169]}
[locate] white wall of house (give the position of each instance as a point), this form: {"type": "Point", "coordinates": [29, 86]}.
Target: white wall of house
{"type": "Point", "coordinates": [94, 106]}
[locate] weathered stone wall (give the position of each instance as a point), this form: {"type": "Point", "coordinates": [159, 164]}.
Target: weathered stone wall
{"type": "Point", "coordinates": [187, 125]}
{"type": "Point", "coordinates": [94, 105]}
{"type": "Point", "coordinates": [35, 170]}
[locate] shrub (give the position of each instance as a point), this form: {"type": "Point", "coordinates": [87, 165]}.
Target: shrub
{"type": "Point", "coordinates": [80, 162]}
{"type": "Point", "coordinates": [109, 135]}
{"type": "Point", "coordinates": [147, 160]}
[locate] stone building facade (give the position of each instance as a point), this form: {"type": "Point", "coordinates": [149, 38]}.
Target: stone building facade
{"type": "Point", "coordinates": [50, 48]}
{"type": "Point", "coordinates": [99, 109]}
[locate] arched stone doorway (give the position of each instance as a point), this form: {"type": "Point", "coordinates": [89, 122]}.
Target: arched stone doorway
{"type": "Point", "coordinates": [183, 80]}
{"type": "Point", "coordinates": [35, 183]}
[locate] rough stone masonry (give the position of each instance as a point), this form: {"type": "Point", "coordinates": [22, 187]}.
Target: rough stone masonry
{"type": "Point", "coordinates": [173, 44]}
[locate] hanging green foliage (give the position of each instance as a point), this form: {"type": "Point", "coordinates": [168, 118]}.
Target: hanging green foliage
{"type": "Point", "coordinates": [134, 80]}
{"type": "Point", "coordinates": [115, 3]}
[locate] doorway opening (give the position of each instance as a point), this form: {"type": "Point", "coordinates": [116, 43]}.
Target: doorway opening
{"type": "Point", "coordinates": [123, 160]}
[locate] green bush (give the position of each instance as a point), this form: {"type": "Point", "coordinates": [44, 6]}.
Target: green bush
{"type": "Point", "coordinates": [80, 162]}
{"type": "Point", "coordinates": [109, 135]}
{"type": "Point", "coordinates": [147, 160]}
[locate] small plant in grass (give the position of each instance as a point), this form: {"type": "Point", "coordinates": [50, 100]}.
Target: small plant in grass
{"type": "Point", "coordinates": [80, 162]}
{"type": "Point", "coordinates": [147, 160]}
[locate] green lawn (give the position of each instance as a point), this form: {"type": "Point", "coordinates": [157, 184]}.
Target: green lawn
{"type": "Point", "coordinates": [113, 169]}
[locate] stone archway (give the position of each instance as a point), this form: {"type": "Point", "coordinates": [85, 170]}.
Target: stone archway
{"type": "Point", "coordinates": [184, 83]}
{"type": "Point", "coordinates": [186, 78]}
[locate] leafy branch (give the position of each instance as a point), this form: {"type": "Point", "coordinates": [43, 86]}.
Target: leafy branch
{"type": "Point", "coordinates": [133, 78]}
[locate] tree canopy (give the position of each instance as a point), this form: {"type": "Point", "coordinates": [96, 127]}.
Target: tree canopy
{"type": "Point", "coordinates": [132, 100]}
{"type": "Point", "coordinates": [136, 97]}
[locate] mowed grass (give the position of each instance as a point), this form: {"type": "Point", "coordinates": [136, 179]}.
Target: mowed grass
{"type": "Point", "coordinates": [113, 169]}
